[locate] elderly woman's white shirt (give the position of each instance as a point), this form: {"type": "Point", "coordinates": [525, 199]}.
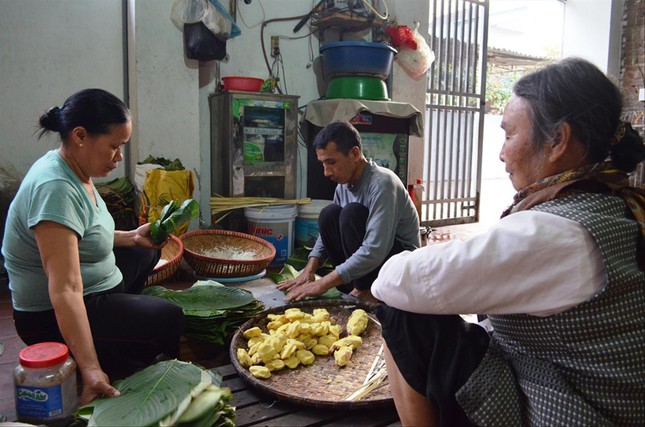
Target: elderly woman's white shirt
{"type": "Point", "coordinates": [529, 262]}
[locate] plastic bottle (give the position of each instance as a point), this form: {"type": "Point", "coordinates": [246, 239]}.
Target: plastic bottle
{"type": "Point", "coordinates": [417, 191]}
{"type": "Point", "coordinates": [45, 384]}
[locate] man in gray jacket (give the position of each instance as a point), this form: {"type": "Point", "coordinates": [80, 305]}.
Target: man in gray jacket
{"type": "Point", "coordinates": [371, 219]}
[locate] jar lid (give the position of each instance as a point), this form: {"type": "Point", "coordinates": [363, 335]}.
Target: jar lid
{"type": "Point", "coordinates": [43, 355]}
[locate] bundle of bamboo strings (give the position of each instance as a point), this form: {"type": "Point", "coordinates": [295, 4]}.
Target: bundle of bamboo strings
{"type": "Point", "coordinates": [375, 378]}
{"type": "Point", "coordinates": [221, 206]}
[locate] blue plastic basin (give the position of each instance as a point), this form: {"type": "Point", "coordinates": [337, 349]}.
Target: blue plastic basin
{"type": "Point", "coordinates": [356, 59]}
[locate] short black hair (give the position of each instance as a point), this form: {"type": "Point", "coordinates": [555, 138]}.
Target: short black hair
{"type": "Point", "coordinates": [342, 133]}
{"type": "Point", "coordinates": [94, 109]}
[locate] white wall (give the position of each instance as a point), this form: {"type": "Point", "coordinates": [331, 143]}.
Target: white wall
{"type": "Point", "coordinates": [164, 89]}
{"type": "Point", "coordinates": [49, 50]}
{"type": "Point", "coordinates": [592, 31]}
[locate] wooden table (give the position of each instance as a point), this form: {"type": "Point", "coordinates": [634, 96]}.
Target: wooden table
{"type": "Point", "coordinates": [255, 408]}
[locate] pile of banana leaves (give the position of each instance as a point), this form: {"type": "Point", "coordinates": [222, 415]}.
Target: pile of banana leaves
{"type": "Point", "coordinates": [168, 165]}
{"type": "Point", "coordinates": [212, 311]}
{"type": "Point", "coordinates": [119, 196]}
{"type": "Point", "coordinates": [168, 393]}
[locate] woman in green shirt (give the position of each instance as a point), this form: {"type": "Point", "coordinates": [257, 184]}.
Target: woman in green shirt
{"type": "Point", "coordinates": [73, 277]}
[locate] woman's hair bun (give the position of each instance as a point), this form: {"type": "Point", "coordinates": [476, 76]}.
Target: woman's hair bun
{"type": "Point", "coordinates": [51, 119]}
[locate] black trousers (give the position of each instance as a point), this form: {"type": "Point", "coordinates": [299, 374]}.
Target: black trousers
{"type": "Point", "coordinates": [129, 330]}
{"type": "Point", "coordinates": [436, 354]}
{"type": "Point", "coordinates": [342, 230]}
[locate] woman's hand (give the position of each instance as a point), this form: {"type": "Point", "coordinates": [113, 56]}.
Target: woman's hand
{"type": "Point", "coordinates": [142, 238]}
{"type": "Point", "coordinates": [96, 384]}
{"type": "Point", "coordinates": [138, 237]}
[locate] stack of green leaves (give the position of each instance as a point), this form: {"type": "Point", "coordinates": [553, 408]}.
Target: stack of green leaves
{"type": "Point", "coordinates": [172, 216]}
{"type": "Point", "coordinates": [168, 165]}
{"type": "Point", "coordinates": [212, 311]}
{"type": "Point", "coordinates": [169, 393]}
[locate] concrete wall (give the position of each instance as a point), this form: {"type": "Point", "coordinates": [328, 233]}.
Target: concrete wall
{"type": "Point", "coordinates": [163, 89]}
{"type": "Point", "coordinates": [49, 50]}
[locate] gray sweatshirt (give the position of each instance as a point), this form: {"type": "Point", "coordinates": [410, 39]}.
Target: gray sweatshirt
{"type": "Point", "coordinates": [392, 216]}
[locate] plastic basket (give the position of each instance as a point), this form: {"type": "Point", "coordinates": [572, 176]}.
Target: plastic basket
{"type": "Point", "coordinates": [197, 243]}
{"type": "Point", "coordinates": [172, 254]}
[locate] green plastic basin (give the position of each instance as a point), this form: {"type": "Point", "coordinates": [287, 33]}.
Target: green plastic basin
{"type": "Point", "coordinates": [357, 87]}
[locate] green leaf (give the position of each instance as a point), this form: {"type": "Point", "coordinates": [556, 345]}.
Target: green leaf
{"type": "Point", "coordinates": [150, 395]}
{"type": "Point", "coordinates": [171, 207]}
{"type": "Point", "coordinates": [172, 216]}
{"type": "Point", "coordinates": [209, 297]}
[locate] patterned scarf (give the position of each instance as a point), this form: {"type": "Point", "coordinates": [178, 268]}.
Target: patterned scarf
{"type": "Point", "coordinates": [595, 178]}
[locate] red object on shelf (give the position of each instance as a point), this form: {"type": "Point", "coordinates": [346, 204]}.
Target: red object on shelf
{"type": "Point", "coordinates": [401, 35]}
{"type": "Point", "coordinates": [248, 84]}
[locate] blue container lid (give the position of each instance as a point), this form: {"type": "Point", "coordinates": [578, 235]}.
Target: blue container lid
{"type": "Point", "coordinates": [357, 44]}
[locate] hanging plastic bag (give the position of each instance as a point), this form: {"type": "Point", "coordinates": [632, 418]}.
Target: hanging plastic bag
{"type": "Point", "coordinates": [201, 44]}
{"type": "Point", "coordinates": [415, 62]}
{"type": "Point", "coordinates": [211, 13]}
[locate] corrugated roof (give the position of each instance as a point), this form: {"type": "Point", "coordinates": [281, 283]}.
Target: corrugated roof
{"type": "Point", "coordinates": [507, 57]}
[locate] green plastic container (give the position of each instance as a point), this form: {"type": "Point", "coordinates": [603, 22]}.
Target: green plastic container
{"type": "Point", "coordinates": [357, 87]}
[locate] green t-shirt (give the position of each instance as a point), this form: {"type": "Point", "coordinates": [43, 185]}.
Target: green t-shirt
{"type": "Point", "coordinates": [52, 192]}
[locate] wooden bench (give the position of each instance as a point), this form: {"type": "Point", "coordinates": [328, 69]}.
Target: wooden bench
{"type": "Point", "coordinates": [254, 408]}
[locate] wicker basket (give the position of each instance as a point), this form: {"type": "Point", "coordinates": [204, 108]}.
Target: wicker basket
{"type": "Point", "coordinates": [171, 253]}
{"type": "Point", "coordinates": [196, 243]}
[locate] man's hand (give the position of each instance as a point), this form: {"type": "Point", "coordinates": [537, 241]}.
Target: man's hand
{"type": "Point", "coordinates": [308, 289]}
{"type": "Point", "coordinates": [304, 277]}
{"type": "Point", "coordinates": [298, 286]}
{"type": "Point", "coordinates": [306, 285]}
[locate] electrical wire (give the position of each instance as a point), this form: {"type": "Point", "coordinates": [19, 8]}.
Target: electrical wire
{"type": "Point", "coordinates": [264, 51]}
{"type": "Point", "coordinates": [387, 13]}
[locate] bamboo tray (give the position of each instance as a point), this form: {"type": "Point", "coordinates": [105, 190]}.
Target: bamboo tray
{"type": "Point", "coordinates": [195, 242]}
{"type": "Point", "coordinates": [322, 384]}
{"type": "Point", "coordinates": [171, 253]}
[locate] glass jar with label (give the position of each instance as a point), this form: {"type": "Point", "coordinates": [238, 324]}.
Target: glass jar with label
{"type": "Point", "coordinates": [45, 383]}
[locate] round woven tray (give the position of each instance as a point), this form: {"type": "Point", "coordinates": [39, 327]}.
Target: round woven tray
{"type": "Point", "coordinates": [323, 383]}
{"type": "Point", "coordinates": [196, 243]}
{"type": "Point", "coordinates": [171, 253]}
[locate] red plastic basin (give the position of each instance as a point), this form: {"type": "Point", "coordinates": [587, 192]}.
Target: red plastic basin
{"type": "Point", "coordinates": [248, 84]}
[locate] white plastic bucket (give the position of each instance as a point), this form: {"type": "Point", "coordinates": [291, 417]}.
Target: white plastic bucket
{"type": "Point", "coordinates": [275, 225]}
{"type": "Point", "coordinates": [307, 222]}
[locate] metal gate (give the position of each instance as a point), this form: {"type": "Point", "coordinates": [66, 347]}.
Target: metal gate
{"type": "Point", "coordinates": [458, 32]}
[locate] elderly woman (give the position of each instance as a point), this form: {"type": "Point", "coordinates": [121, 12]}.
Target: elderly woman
{"type": "Point", "coordinates": [558, 276]}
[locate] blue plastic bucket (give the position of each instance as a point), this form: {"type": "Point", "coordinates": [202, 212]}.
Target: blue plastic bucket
{"type": "Point", "coordinates": [307, 223]}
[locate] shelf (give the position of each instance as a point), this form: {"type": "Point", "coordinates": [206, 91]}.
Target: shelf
{"type": "Point", "coordinates": [346, 21]}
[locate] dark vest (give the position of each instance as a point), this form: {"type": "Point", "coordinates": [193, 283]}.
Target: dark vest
{"type": "Point", "coordinates": [584, 366]}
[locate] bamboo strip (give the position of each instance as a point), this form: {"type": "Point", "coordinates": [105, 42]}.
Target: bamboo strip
{"type": "Point", "coordinates": [376, 360]}
{"type": "Point", "coordinates": [219, 204]}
